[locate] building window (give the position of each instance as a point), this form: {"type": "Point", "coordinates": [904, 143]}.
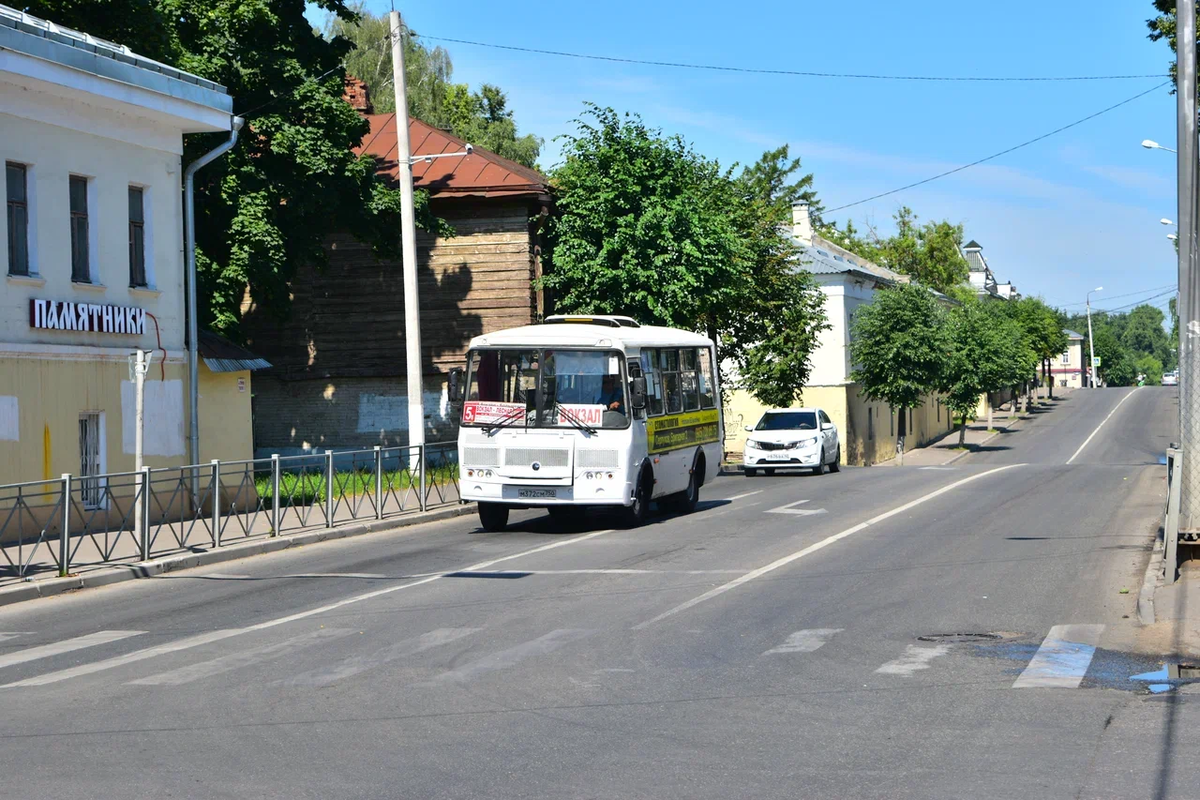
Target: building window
{"type": "Point", "coordinates": [17, 182]}
{"type": "Point", "coordinates": [137, 237]}
{"type": "Point", "coordinates": [80, 252]}
{"type": "Point", "coordinates": [1066, 357]}
{"type": "Point", "coordinates": [91, 459]}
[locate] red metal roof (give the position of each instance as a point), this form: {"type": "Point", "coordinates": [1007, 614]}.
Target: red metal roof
{"type": "Point", "coordinates": [481, 174]}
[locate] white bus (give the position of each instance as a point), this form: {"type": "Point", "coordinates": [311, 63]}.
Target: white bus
{"type": "Point", "coordinates": [587, 411]}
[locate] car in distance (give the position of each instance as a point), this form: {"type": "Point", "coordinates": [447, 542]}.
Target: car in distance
{"type": "Point", "coordinates": [792, 438]}
{"type": "Point", "coordinates": [1170, 378]}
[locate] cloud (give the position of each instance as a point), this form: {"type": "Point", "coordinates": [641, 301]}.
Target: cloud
{"type": "Point", "coordinates": [1138, 179]}
{"type": "Point", "coordinates": [734, 127]}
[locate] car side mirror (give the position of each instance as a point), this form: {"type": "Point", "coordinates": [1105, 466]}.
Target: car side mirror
{"type": "Point", "coordinates": [748, 428]}
{"type": "Point", "coordinates": [828, 426]}
{"type": "Point", "coordinates": [454, 389]}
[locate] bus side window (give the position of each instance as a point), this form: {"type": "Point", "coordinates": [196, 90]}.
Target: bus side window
{"type": "Point", "coordinates": [654, 394]}
{"type": "Point", "coordinates": [688, 380]}
{"type": "Point", "coordinates": [708, 397]}
{"type": "Point", "coordinates": [668, 362]}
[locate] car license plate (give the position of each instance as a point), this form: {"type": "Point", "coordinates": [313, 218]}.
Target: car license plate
{"type": "Point", "coordinates": [536, 494]}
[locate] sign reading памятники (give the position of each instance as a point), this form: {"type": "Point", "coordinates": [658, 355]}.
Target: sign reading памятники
{"type": "Point", "coordinates": [63, 315]}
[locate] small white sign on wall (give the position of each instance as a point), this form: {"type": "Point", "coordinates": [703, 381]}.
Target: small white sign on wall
{"type": "Point", "coordinates": [241, 384]}
{"type": "Point", "coordinates": [10, 420]}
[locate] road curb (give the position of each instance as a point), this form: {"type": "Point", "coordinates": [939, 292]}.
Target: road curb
{"type": "Point", "coordinates": [50, 587]}
{"type": "Point", "coordinates": [1155, 572]}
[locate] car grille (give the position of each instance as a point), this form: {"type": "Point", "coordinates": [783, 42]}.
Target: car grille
{"type": "Point", "coordinates": [481, 456]}
{"type": "Point", "coordinates": [771, 446]}
{"type": "Point", "coordinates": [595, 459]}
{"type": "Point", "coordinates": [527, 456]}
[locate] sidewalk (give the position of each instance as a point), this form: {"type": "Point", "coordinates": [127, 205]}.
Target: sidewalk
{"type": "Point", "coordinates": [945, 449]}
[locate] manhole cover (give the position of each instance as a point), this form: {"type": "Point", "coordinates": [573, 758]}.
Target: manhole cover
{"type": "Point", "coordinates": [959, 638]}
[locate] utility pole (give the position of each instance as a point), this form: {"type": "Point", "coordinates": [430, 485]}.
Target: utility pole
{"type": "Point", "coordinates": [139, 365]}
{"type": "Point", "coordinates": [408, 244]}
{"type": "Point", "coordinates": [1189, 300]}
{"type": "Point", "coordinates": [1091, 343]}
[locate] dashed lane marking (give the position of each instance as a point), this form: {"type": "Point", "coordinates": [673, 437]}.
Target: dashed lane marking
{"type": "Point", "coordinates": [790, 508]}
{"type": "Point", "coordinates": [65, 646]}
{"type": "Point", "coordinates": [1063, 659]}
{"type": "Point", "coordinates": [806, 641]}
{"type": "Point", "coordinates": [915, 658]}
{"type": "Point", "coordinates": [503, 659]}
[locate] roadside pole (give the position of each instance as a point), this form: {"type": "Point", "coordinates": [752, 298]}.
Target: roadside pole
{"type": "Point", "coordinates": [139, 365]}
{"type": "Point", "coordinates": [1091, 346]}
{"type": "Point", "coordinates": [1189, 300]}
{"type": "Point", "coordinates": [408, 244]}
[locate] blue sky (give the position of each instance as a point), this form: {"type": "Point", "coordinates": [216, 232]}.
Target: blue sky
{"type": "Point", "coordinates": [1058, 218]}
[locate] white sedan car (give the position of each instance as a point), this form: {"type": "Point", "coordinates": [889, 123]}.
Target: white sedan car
{"type": "Point", "coordinates": [1170, 378]}
{"type": "Point", "coordinates": [792, 438]}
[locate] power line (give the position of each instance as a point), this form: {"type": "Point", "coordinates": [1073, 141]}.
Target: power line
{"type": "Point", "coordinates": [1169, 286]}
{"type": "Point", "coordinates": [1001, 153]}
{"type": "Point", "coordinates": [793, 72]}
{"type": "Point", "coordinates": [1134, 304]}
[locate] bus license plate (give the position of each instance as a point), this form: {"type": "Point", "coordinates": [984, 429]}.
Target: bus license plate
{"type": "Point", "coordinates": [537, 494]}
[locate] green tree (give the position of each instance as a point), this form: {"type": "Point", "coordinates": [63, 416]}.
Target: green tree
{"type": "Point", "coordinates": [930, 253]}
{"type": "Point", "coordinates": [649, 228]}
{"type": "Point", "coordinates": [771, 180]}
{"type": "Point", "coordinates": [1150, 367]}
{"type": "Point", "coordinates": [481, 118]}
{"type": "Point", "coordinates": [265, 208]}
{"type": "Point", "coordinates": [984, 356]}
{"type": "Point", "coordinates": [1144, 334]}
{"type": "Point", "coordinates": [898, 344]}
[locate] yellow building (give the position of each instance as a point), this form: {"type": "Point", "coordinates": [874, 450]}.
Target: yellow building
{"type": "Point", "coordinates": [91, 136]}
{"type": "Point", "coordinates": [868, 429]}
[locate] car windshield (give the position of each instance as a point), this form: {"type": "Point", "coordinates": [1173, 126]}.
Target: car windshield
{"type": "Point", "coordinates": [787, 421]}
{"type": "Point", "coordinates": [530, 387]}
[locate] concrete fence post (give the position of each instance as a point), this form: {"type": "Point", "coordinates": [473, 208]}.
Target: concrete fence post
{"type": "Point", "coordinates": [275, 499]}
{"type": "Point", "coordinates": [378, 482]}
{"type": "Point", "coordinates": [216, 502]}
{"type": "Point", "coordinates": [64, 546]}
{"type": "Point", "coordinates": [144, 504]}
{"type": "Point", "coordinates": [328, 488]}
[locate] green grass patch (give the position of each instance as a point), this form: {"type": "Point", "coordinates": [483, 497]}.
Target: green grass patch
{"type": "Point", "coordinates": [309, 488]}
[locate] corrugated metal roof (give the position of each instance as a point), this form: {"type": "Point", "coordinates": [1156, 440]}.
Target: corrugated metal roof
{"type": "Point", "coordinates": [222, 355]}
{"type": "Point", "coordinates": [27, 23]}
{"type": "Point", "coordinates": [1072, 334]}
{"type": "Point", "coordinates": [822, 262]}
{"type": "Point", "coordinates": [481, 174]}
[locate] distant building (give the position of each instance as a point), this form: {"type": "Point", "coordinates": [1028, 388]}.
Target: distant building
{"type": "Point", "coordinates": [982, 280]}
{"type": "Point", "coordinates": [868, 429]}
{"type": "Point", "coordinates": [1070, 369]}
{"type": "Point", "coordinates": [91, 249]}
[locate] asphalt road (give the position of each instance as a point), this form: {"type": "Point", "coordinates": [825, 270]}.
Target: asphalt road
{"type": "Point", "coordinates": [768, 645]}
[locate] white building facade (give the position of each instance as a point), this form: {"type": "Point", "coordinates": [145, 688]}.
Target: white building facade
{"type": "Point", "coordinates": [91, 248]}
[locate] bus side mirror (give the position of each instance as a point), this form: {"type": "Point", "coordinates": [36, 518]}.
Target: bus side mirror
{"type": "Point", "coordinates": [455, 388]}
{"type": "Point", "coordinates": [637, 391]}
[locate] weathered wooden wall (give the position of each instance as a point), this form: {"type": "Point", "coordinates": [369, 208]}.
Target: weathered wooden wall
{"type": "Point", "coordinates": [348, 320]}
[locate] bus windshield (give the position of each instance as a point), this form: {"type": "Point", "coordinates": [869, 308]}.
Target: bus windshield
{"type": "Point", "coordinates": [546, 388]}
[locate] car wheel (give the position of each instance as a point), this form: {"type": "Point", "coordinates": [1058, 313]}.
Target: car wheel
{"type": "Point", "coordinates": [819, 469]}
{"type": "Point", "coordinates": [638, 512]}
{"type": "Point", "coordinates": [493, 516]}
{"type": "Point", "coordinates": [749, 472]}
{"type": "Point", "coordinates": [836, 464]}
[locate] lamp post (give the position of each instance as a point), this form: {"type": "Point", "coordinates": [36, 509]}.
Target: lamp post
{"type": "Point", "coordinates": [1149, 144]}
{"type": "Point", "coordinates": [1091, 341]}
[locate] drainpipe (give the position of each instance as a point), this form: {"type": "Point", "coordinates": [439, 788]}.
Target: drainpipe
{"type": "Point", "coordinates": [193, 329]}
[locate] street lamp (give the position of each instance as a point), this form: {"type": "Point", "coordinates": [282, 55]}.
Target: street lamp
{"type": "Point", "coordinates": [1152, 145]}
{"type": "Point", "coordinates": [1091, 341]}
{"type": "Point", "coordinates": [1172, 236]}
{"type": "Point", "coordinates": [1166, 221]}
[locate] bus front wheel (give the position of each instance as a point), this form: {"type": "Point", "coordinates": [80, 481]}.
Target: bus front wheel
{"type": "Point", "coordinates": [638, 511]}
{"type": "Point", "coordinates": [493, 516]}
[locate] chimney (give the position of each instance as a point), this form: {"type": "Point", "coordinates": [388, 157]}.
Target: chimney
{"type": "Point", "coordinates": [802, 228]}
{"type": "Point", "coordinates": [356, 93]}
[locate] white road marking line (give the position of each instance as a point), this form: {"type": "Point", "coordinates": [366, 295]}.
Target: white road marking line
{"type": "Point", "coordinates": [361, 663]}
{"type": "Point", "coordinates": [6, 635]}
{"type": "Point", "coordinates": [217, 575]}
{"type": "Point", "coordinates": [1063, 659]}
{"type": "Point", "coordinates": [806, 641]}
{"type": "Point", "coordinates": [613, 571]}
{"type": "Point", "coordinates": [938, 469]}
{"type": "Point", "coordinates": [1101, 425]}
{"type": "Point", "coordinates": [745, 494]}
{"type": "Point", "coordinates": [800, 512]}
{"type": "Point", "coordinates": [245, 658]}
{"type": "Point", "coordinates": [783, 562]}
{"type": "Point", "coordinates": [65, 646]}
{"type": "Point", "coordinates": [914, 658]}
{"type": "Point", "coordinates": [214, 636]}
{"type": "Point", "coordinates": [336, 575]}
{"type": "Point", "coordinates": [543, 645]}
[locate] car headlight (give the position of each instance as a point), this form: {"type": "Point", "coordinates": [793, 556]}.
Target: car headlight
{"type": "Point", "coordinates": [753, 445]}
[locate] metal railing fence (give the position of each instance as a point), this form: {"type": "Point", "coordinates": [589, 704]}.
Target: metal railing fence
{"type": "Point", "coordinates": [59, 524]}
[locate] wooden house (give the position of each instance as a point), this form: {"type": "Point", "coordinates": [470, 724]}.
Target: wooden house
{"type": "Point", "coordinates": [338, 374]}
